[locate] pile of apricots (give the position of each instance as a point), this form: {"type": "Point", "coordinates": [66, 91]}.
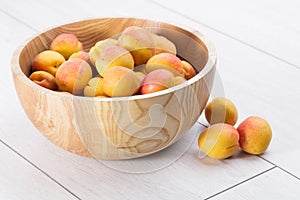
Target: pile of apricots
{"type": "Point", "coordinates": [137, 62]}
{"type": "Point", "coordinates": [221, 139]}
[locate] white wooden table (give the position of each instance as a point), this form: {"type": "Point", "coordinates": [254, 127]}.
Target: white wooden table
{"type": "Point", "coordinates": [258, 46]}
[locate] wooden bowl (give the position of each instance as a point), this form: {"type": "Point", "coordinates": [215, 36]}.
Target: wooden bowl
{"type": "Point", "coordinates": [116, 128]}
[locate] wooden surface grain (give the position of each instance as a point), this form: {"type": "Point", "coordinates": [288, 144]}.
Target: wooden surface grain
{"type": "Point", "coordinates": [257, 82]}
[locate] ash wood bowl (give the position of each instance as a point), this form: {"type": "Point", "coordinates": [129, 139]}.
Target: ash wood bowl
{"type": "Point", "coordinates": [123, 127]}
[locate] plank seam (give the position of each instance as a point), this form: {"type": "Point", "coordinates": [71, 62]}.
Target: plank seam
{"type": "Point", "coordinates": [246, 180]}
{"type": "Point", "coordinates": [39, 169]}
{"type": "Point", "coordinates": [286, 171]}
{"type": "Point", "coordinates": [228, 35]}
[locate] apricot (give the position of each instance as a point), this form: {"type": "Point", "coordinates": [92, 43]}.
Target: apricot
{"type": "Point", "coordinates": [255, 135]}
{"type": "Point", "coordinates": [219, 141]}
{"type": "Point", "coordinates": [44, 79]}
{"type": "Point", "coordinates": [114, 56]}
{"type": "Point", "coordinates": [221, 110]}
{"type": "Point", "coordinates": [141, 76]}
{"type": "Point", "coordinates": [163, 45]}
{"type": "Point", "coordinates": [82, 55]}
{"type": "Point", "coordinates": [139, 42]}
{"type": "Point", "coordinates": [94, 88]}
{"type": "Point", "coordinates": [120, 81]}
{"type": "Point", "coordinates": [189, 71]}
{"type": "Point", "coordinates": [96, 50]}
{"type": "Point", "coordinates": [73, 75]}
{"type": "Point", "coordinates": [165, 61]}
{"type": "Point", "coordinates": [157, 80]}
{"type": "Point", "coordinates": [178, 80]}
{"type": "Point", "coordinates": [47, 61]}
{"type": "Point", "coordinates": [66, 44]}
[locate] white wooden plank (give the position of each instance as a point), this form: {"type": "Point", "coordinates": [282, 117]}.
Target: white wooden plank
{"type": "Point", "coordinates": [73, 10]}
{"type": "Point", "coordinates": [189, 177]}
{"type": "Point", "coordinates": [274, 184]}
{"type": "Point", "coordinates": [186, 176]}
{"type": "Point", "coordinates": [272, 26]}
{"type": "Point", "coordinates": [260, 85]}
{"type": "Point", "coordinates": [20, 180]}
{"type": "Point", "coordinates": [12, 34]}
{"type": "Point", "coordinates": [284, 153]}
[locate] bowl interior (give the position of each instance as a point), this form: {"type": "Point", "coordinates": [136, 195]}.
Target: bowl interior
{"type": "Point", "coordinates": [189, 46]}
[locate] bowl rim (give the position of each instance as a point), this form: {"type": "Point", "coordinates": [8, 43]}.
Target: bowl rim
{"type": "Point", "coordinates": [210, 64]}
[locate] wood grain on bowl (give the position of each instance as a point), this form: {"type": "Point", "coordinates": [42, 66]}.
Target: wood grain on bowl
{"type": "Point", "coordinates": [124, 127]}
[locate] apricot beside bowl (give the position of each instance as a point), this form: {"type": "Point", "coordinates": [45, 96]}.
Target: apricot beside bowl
{"type": "Point", "coordinates": [120, 127]}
